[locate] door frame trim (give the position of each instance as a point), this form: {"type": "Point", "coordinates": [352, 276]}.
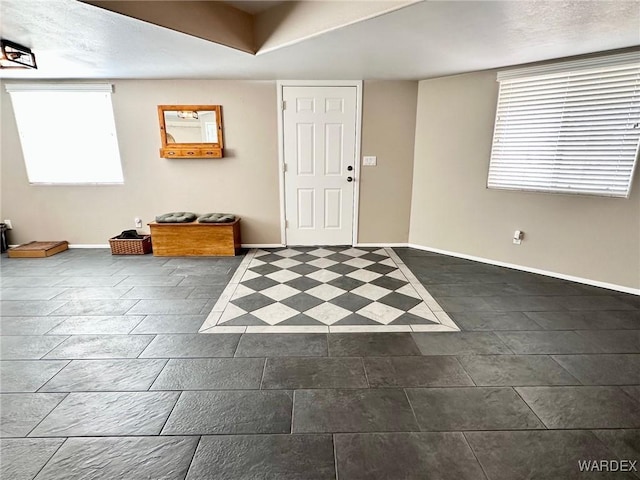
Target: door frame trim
{"type": "Point", "coordinates": [358, 144]}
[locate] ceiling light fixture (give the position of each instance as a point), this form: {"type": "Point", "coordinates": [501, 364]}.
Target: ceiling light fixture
{"type": "Point", "coordinates": [16, 56]}
{"type": "Point", "coordinates": [187, 114]}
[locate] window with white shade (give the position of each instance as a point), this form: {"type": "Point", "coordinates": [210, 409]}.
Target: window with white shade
{"type": "Point", "coordinates": [67, 133]}
{"type": "Point", "coordinates": [570, 127]}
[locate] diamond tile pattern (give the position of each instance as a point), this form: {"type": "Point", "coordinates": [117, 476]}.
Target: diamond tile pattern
{"type": "Point", "coordinates": [330, 285]}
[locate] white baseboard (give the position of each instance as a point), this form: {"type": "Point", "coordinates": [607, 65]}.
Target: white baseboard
{"type": "Point", "coordinates": [381, 245]}
{"type": "Point", "coordinates": [262, 245]}
{"type": "Point", "coordinates": [586, 281]}
{"type": "Point", "coordinates": [89, 245]}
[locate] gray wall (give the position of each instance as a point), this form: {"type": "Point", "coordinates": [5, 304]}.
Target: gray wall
{"type": "Point", "coordinates": [590, 237]}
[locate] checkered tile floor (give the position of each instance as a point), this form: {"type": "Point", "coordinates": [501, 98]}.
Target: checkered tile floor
{"type": "Point", "coordinates": [326, 287]}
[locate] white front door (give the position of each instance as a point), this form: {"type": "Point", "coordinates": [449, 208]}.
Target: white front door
{"type": "Point", "coordinates": [319, 126]}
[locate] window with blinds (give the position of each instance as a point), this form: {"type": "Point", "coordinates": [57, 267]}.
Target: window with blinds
{"type": "Point", "coordinates": [572, 127]}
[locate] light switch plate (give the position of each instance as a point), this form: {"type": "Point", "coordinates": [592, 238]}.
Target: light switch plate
{"type": "Point", "coordinates": [369, 161]}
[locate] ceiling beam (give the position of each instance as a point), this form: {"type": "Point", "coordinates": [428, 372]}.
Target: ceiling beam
{"type": "Point", "coordinates": [210, 20]}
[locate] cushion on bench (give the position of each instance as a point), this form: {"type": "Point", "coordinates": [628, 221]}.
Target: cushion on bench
{"type": "Point", "coordinates": [176, 217]}
{"type": "Point", "coordinates": [216, 218]}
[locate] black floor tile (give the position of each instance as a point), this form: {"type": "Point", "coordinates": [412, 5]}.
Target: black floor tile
{"type": "Point", "coordinates": [21, 412]}
{"type": "Point", "coordinates": [22, 458]}
{"type": "Point", "coordinates": [633, 392]}
{"type": "Point", "coordinates": [516, 370]}
{"type": "Point", "coordinates": [79, 325]}
{"type": "Point", "coordinates": [210, 374]}
{"type": "Point", "coordinates": [594, 302]}
{"type": "Point", "coordinates": [105, 375]}
{"type": "Point", "coordinates": [28, 347]}
{"type": "Point", "coordinates": [350, 301]}
{"type": "Point", "coordinates": [471, 408]}
{"type": "Point", "coordinates": [623, 443]}
{"type": "Point", "coordinates": [464, 304]}
{"type": "Point", "coordinates": [301, 302]}
{"type": "Point", "coordinates": [23, 308]}
{"type": "Point", "coordinates": [407, 456]}
{"type": "Point", "coordinates": [582, 407]}
{"type": "Point", "coordinates": [282, 345]}
{"type": "Point", "coordinates": [296, 373]}
{"type": "Point", "coordinates": [107, 414]}
{"type": "Point", "coordinates": [548, 342]}
{"type": "Point", "coordinates": [525, 303]}
{"type": "Point", "coordinates": [253, 302]}
{"type": "Point", "coordinates": [489, 321]}
{"type": "Point", "coordinates": [101, 346]}
{"type": "Point", "coordinates": [614, 341]}
{"type": "Point", "coordinates": [620, 369]}
{"type": "Point", "coordinates": [258, 457]}
{"type": "Point", "coordinates": [192, 345]}
{"type": "Point", "coordinates": [231, 412]}
{"type": "Point", "coordinates": [170, 324]}
{"type": "Point", "coordinates": [190, 306]}
{"type": "Point", "coordinates": [95, 307]}
{"type": "Point", "coordinates": [164, 458]}
{"type": "Point", "coordinates": [380, 410]}
{"type": "Point", "coordinates": [28, 325]}
{"type": "Point", "coordinates": [371, 344]}
{"type": "Point", "coordinates": [27, 375]}
{"type": "Point", "coordinates": [460, 343]}
{"type": "Point", "coordinates": [415, 372]}
{"type": "Point", "coordinates": [598, 320]}
{"type": "Point", "coordinates": [538, 455]}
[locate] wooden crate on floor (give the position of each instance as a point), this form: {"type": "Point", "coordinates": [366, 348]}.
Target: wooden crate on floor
{"type": "Point", "coordinates": [195, 239]}
{"type": "Point", "coordinates": [37, 249]}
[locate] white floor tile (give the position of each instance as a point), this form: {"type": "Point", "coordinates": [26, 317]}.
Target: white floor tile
{"type": "Point", "coordinates": [423, 311]}
{"type": "Point", "coordinates": [321, 252]}
{"type": "Point", "coordinates": [321, 263]}
{"type": "Point", "coordinates": [354, 252]}
{"type": "Point", "coordinates": [380, 312]}
{"type": "Point", "coordinates": [409, 291]}
{"type": "Point", "coordinates": [323, 275]}
{"type": "Point", "coordinates": [287, 252]}
{"type": "Point", "coordinates": [389, 263]}
{"type": "Point", "coordinates": [327, 313]}
{"type": "Point", "coordinates": [325, 292]}
{"type": "Point", "coordinates": [250, 275]}
{"type": "Point", "coordinates": [285, 263]}
{"type": "Point", "coordinates": [274, 313]}
{"type": "Point", "coordinates": [369, 328]}
{"type": "Point", "coordinates": [358, 262]}
{"type": "Point", "coordinates": [364, 275]}
{"type": "Point", "coordinates": [398, 275]}
{"type": "Point", "coordinates": [288, 329]}
{"type": "Point", "coordinates": [432, 328]}
{"type": "Point", "coordinates": [283, 275]}
{"type": "Point", "coordinates": [232, 311]}
{"type": "Point", "coordinates": [219, 329]}
{"type": "Point", "coordinates": [242, 291]}
{"type": "Point", "coordinates": [280, 292]}
{"type": "Point", "coordinates": [372, 292]}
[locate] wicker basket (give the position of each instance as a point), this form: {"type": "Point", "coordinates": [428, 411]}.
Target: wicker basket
{"type": "Point", "coordinates": [130, 246]}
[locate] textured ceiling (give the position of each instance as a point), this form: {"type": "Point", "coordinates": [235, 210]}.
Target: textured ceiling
{"type": "Point", "coordinates": [428, 39]}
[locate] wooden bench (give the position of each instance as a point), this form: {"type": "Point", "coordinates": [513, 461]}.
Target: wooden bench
{"type": "Point", "coordinates": [195, 239]}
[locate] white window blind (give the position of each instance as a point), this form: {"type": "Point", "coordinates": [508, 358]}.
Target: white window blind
{"type": "Point", "coordinates": [571, 127]}
{"type": "Point", "coordinates": [67, 133]}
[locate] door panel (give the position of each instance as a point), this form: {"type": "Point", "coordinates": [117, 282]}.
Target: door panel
{"type": "Point", "coordinates": [319, 145]}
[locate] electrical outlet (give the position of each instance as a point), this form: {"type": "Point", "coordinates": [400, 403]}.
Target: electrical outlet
{"type": "Point", "coordinates": [518, 235]}
{"type": "Point", "coordinates": [138, 222]}
{"type": "Point", "coordinates": [369, 161]}
{"type": "Point", "coordinates": [8, 224]}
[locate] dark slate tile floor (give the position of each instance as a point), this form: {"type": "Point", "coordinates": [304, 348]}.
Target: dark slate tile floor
{"type": "Point", "coordinates": [104, 376]}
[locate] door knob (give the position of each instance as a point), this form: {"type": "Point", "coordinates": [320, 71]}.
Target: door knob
{"type": "Point", "coordinates": [349, 168]}
{"type": "Point", "coordinates": [349, 179]}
